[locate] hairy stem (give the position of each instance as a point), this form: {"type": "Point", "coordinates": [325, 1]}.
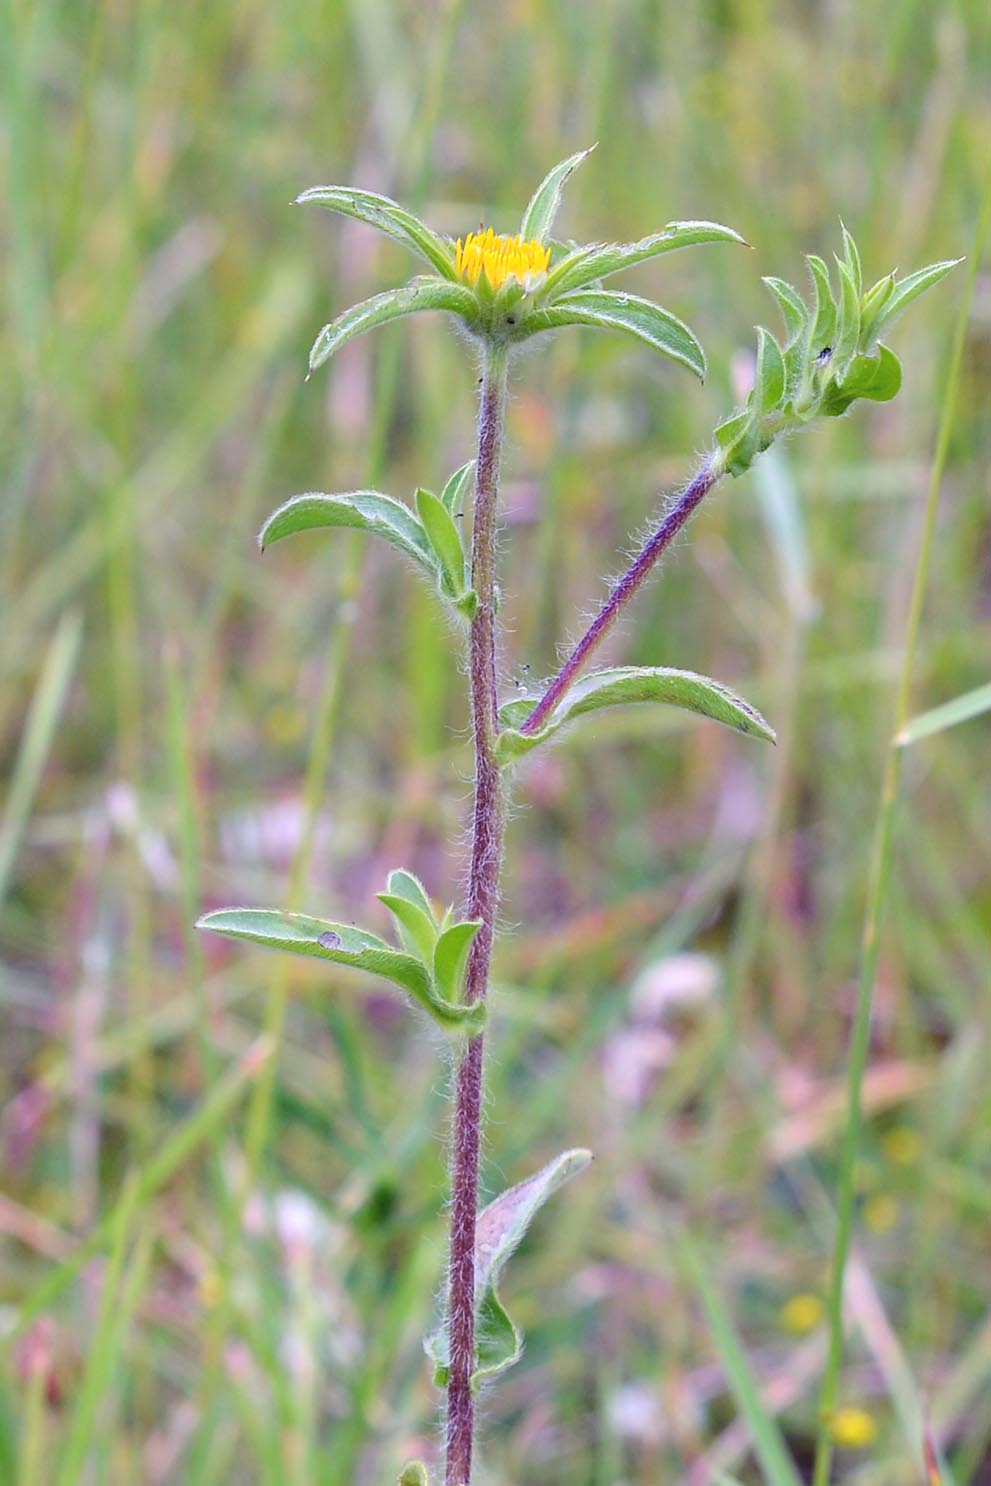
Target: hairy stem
{"type": "Point", "coordinates": [623, 590]}
{"type": "Point", "coordinates": [482, 897]}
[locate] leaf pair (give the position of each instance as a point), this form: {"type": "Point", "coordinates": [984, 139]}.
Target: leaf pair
{"type": "Point", "coordinates": [499, 1229]}
{"type": "Point", "coordinates": [832, 355]}
{"type": "Point", "coordinates": [620, 686]}
{"type": "Point", "coordinates": [430, 967]}
{"type": "Point", "coordinates": [511, 311]}
{"type": "Point", "coordinates": [430, 538]}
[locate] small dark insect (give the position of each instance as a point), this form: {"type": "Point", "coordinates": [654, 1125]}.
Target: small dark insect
{"type": "Point", "coordinates": [824, 355]}
{"type": "Point", "coordinates": [510, 319]}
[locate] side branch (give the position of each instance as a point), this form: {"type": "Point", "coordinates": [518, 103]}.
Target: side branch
{"type": "Point", "coordinates": [624, 588]}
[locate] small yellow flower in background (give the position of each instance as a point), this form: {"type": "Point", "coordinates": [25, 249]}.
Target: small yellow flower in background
{"type": "Point", "coordinates": [881, 1213]}
{"type": "Point", "coordinates": [801, 1313]}
{"type": "Point", "coordinates": [902, 1145]}
{"type": "Point", "coordinates": [853, 1429]}
{"type": "Point", "coordinates": [502, 258]}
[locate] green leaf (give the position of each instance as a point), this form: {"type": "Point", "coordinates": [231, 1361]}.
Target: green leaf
{"type": "Point", "coordinates": [445, 539]}
{"type": "Point", "coordinates": [367, 510]}
{"type": "Point", "coordinates": [404, 885]}
{"type": "Point", "coordinates": [454, 492]}
{"type": "Point", "coordinates": [793, 308]}
{"type": "Point", "coordinates": [641, 318]}
{"type": "Point", "coordinates": [851, 258]}
{"type": "Point", "coordinates": [769, 374]}
{"type": "Point", "coordinates": [418, 295]}
{"type": "Point", "coordinates": [343, 945]}
{"type": "Point", "coordinates": [871, 306]}
{"type": "Point", "coordinates": [417, 927]}
{"type": "Point", "coordinates": [848, 322]}
{"type": "Point", "coordinates": [414, 1474]}
{"type": "Point", "coordinates": [388, 217]}
{"type": "Point", "coordinates": [908, 289]}
{"type": "Point", "coordinates": [586, 265]}
{"type": "Point", "coordinates": [738, 437]}
{"type": "Point", "coordinates": [875, 377]}
{"type": "Point", "coordinates": [627, 684]}
{"type": "Point", "coordinates": [545, 201]}
{"type": "Point", "coordinates": [499, 1230]}
{"type": "Point", "coordinates": [450, 955]}
{"type": "Point", "coordinates": [822, 323]}
{"type": "Point", "coordinates": [971, 704]}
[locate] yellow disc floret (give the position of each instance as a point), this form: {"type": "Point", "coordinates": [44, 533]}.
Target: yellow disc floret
{"type": "Point", "coordinates": [501, 258]}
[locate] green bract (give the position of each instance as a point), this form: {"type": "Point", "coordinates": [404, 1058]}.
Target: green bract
{"type": "Point", "coordinates": [505, 290]}
{"type": "Point", "coordinates": [831, 357]}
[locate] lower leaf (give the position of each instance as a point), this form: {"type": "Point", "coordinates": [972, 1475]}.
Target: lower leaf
{"type": "Point", "coordinates": [500, 1227]}
{"type": "Point", "coordinates": [343, 945]}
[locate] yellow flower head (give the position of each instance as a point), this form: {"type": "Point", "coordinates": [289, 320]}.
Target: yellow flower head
{"type": "Point", "coordinates": [501, 258]}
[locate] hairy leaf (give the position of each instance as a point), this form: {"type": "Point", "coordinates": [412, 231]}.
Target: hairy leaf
{"type": "Point", "coordinates": [545, 201]}
{"type": "Point", "coordinates": [445, 540]}
{"type": "Point", "coordinates": [405, 885]}
{"type": "Point", "coordinates": [344, 945]}
{"type": "Point", "coordinates": [450, 955]}
{"type": "Point", "coordinates": [388, 217]}
{"type": "Point", "coordinates": [822, 325]}
{"type": "Point", "coordinates": [419, 294]}
{"type": "Point", "coordinates": [738, 438]}
{"type": "Point", "coordinates": [769, 373]}
{"type": "Point", "coordinates": [500, 1228]}
{"type": "Point", "coordinates": [586, 265]}
{"type": "Point", "coordinates": [626, 684]}
{"type": "Point", "coordinates": [792, 306]}
{"type": "Point", "coordinates": [875, 377]}
{"type": "Point", "coordinates": [417, 927]}
{"type": "Point", "coordinates": [910, 288]}
{"type": "Point", "coordinates": [851, 258]}
{"type": "Point", "coordinates": [848, 321]}
{"type": "Point", "coordinates": [871, 306]}
{"type": "Point", "coordinates": [367, 510]}
{"type": "Point", "coordinates": [457, 487]}
{"type": "Point", "coordinates": [641, 318]}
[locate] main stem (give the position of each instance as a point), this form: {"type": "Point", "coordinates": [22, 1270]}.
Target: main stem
{"type": "Point", "coordinates": [482, 898]}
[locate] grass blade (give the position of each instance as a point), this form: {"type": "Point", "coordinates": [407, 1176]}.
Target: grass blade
{"type": "Point", "coordinates": [971, 704]}
{"type": "Point", "coordinates": [769, 1446]}
{"type": "Point", "coordinates": [153, 1176]}
{"type": "Point", "coordinates": [36, 740]}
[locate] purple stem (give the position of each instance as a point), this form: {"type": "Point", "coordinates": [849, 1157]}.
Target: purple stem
{"type": "Point", "coordinates": [623, 590]}
{"type": "Point", "coordinates": [481, 900]}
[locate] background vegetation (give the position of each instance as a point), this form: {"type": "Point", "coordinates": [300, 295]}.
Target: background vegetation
{"type": "Point", "coordinates": [182, 721]}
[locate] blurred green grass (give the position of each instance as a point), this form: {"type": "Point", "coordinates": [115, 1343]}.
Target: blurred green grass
{"type": "Point", "coordinates": [161, 299]}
